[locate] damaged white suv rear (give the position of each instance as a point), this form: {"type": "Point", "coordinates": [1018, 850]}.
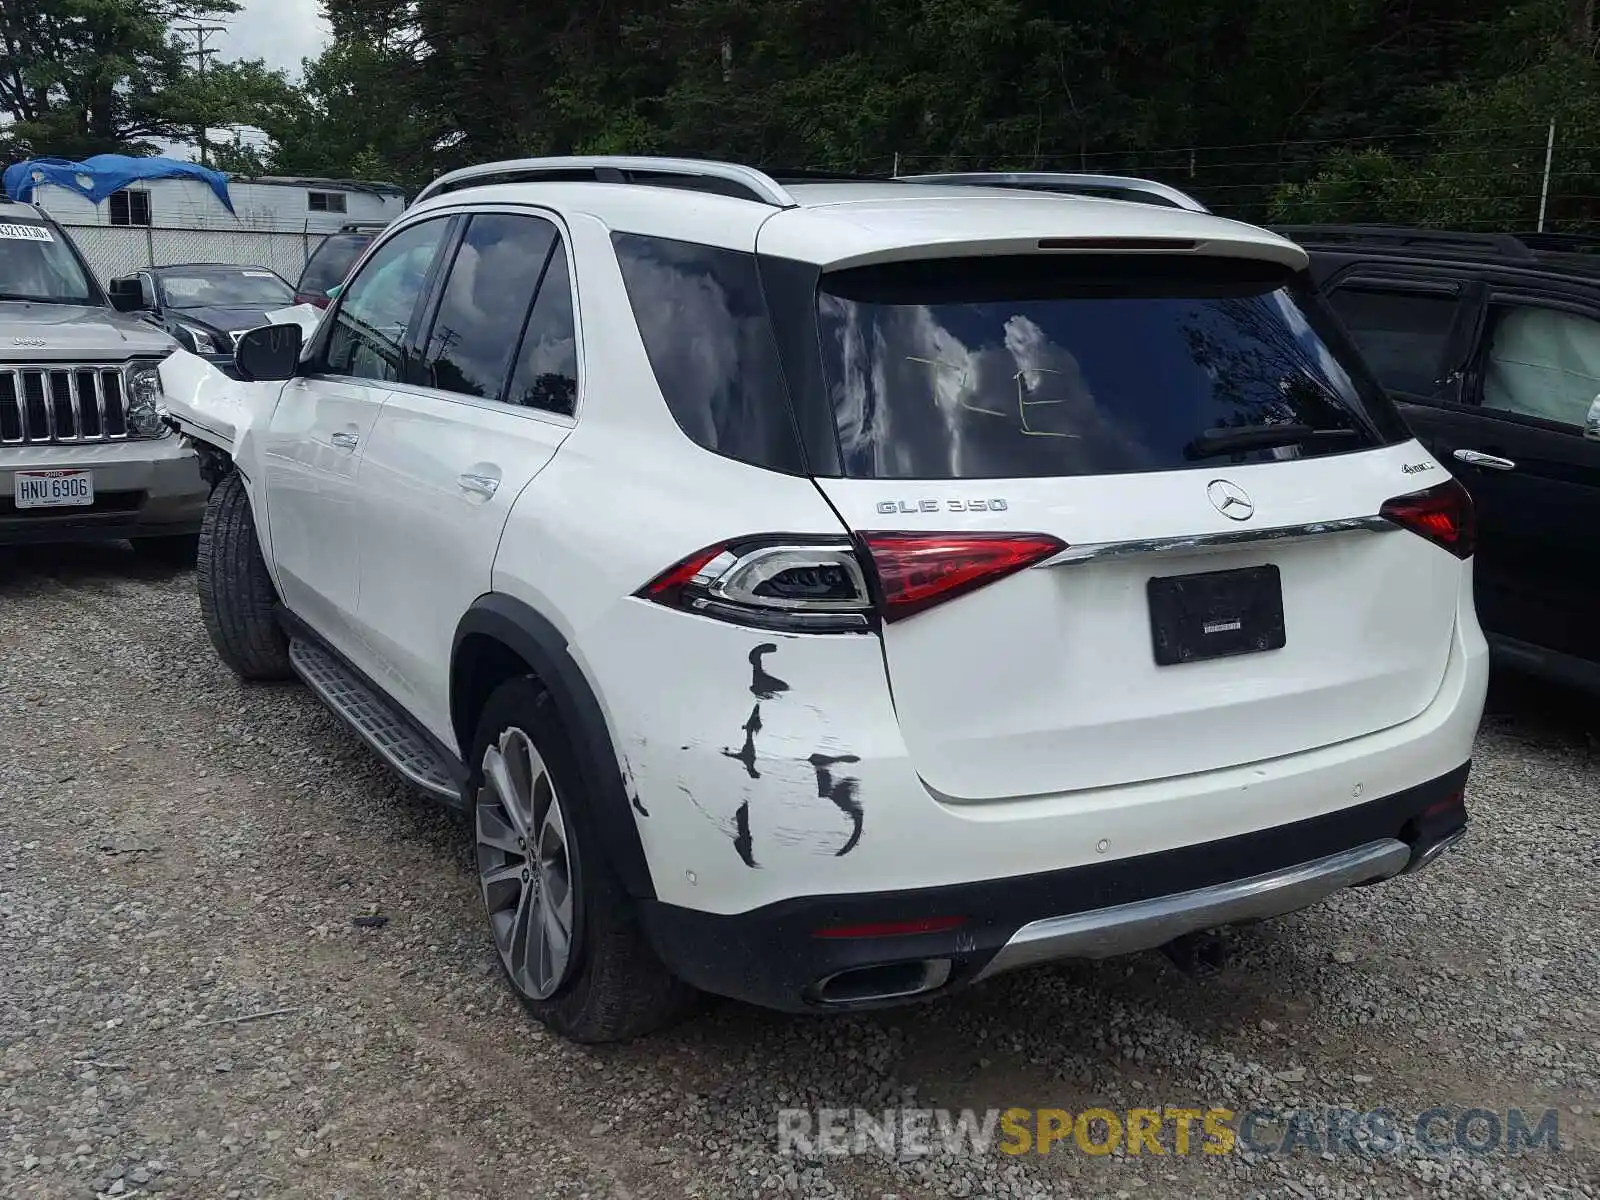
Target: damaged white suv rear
{"type": "Point", "coordinates": [832, 593]}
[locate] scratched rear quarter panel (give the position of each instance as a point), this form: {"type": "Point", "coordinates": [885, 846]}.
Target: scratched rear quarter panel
{"type": "Point", "coordinates": [758, 781]}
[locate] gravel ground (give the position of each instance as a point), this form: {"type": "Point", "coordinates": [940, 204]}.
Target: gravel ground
{"type": "Point", "coordinates": [187, 1010]}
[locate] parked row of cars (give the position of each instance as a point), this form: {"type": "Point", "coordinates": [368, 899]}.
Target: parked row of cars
{"type": "Point", "coordinates": [1076, 541]}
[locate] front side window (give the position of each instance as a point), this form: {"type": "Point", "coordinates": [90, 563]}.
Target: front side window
{"type": "Point", "coordinates": [369, 326]}
{"type": "Point", "coordinates": [1042, 366]}
{"type": "Point", "coordinates": [703, 319]}
{"type": "Point", "coordinates": [487, 295]}
{"type": "Point", "coordinates": [1541, 362]}
{"type": "Point", "coordinates": [35, 264]}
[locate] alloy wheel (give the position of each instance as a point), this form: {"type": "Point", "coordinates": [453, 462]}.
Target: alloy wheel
{"type": "Point", "coordinates": [525, 866]}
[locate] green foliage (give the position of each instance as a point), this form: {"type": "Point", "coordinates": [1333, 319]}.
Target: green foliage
{"type": "Point", "coordinates": [82, 77]}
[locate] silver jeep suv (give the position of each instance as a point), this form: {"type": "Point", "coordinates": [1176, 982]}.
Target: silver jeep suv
{"type": "Point", "coordinates": [84, 452]}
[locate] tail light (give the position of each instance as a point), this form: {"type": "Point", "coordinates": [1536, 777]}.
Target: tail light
{"type": "Point", "coordinates": [823, 586]}
{"type": "Point", "coordinates": [1442, 514]}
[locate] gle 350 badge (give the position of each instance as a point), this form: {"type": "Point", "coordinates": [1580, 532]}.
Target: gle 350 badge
{"type": "Point", "coordinates": [887, 507]}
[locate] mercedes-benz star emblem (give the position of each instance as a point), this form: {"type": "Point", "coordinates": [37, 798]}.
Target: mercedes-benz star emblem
{"type": "Point", "coordinates": [1230, 500]}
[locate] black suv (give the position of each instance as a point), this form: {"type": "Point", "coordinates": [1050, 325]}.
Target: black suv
{"type": "Point", "coordinates": [1491, 345]}
{"type": "Point", "coordinates": [330, 262]}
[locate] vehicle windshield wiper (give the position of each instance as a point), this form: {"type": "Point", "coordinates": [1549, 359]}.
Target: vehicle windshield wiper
{"type": "Point", "coordinates": [1261, 437]}
{"type": "Point", "coordinates": [82, 302]}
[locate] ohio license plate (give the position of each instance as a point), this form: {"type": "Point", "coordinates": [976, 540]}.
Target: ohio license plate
{"type": "Point", "coordinates": [53, 489]}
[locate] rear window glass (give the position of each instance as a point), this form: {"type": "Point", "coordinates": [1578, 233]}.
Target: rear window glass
{"type": "Point", "coordinates": [704, 322]}
{"type": "Point", "coordinates": [331, 262]}
{"type": "Point", "coordinates": [1044, 366]}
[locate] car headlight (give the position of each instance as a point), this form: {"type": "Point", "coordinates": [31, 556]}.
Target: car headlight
{"type": "Point", "coordinates": [200, 341]}
{"type": "Point", "coordinates": [146, 413]}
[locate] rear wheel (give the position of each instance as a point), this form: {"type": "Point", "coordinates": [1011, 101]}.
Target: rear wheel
{"type": "Point", "coordinates": [237, 599]}
{"type": "Point", "coordinates": [565, 931]}
{"type": "Point", "coordinates": [177, 550]}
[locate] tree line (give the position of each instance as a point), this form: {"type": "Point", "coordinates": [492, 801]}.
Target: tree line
{"type": "Point", "coordinates": [1421, 111]}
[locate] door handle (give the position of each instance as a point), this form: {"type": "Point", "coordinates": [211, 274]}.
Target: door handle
{"type": "Point", "coordinates": [1489, 462]}
{"type": "Point", "coordinates": [346, 440]}
{"type": "Point", "coordinates": [478, 485]}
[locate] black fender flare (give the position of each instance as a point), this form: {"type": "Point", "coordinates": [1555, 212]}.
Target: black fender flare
{"type": "Point", "coordinates": [543, 647]}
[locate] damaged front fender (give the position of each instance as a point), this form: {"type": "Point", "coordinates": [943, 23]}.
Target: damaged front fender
{"type": "Point", "coordinates": [213, 409]}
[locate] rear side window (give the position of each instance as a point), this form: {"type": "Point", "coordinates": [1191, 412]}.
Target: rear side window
{"type": "Point", "coordinates": [492, 280]}
{"type": "Point", "coordinates": [1046, 366]}
{"type": "Point", "coordinates": [1402, 335]}
{"type": "Point", "coordinates": [331, 262]}
{"type": "Point", "coordinates": [705, 328]}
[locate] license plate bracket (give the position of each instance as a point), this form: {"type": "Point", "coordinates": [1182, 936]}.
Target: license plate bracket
{"type": "Point", "coordinates": [52, 489]}
{"type": "Point", "coordinates": [1216, 614]}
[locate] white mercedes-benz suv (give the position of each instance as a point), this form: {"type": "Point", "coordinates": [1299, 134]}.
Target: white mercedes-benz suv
{"type": "Point", "coordinates": [832, 593]}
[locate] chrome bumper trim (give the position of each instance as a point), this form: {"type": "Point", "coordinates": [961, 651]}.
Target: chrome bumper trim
{"type": "Point", "coordinates": [1074, 556]}
{"type": "Point", "coordinates": [1146, 924]}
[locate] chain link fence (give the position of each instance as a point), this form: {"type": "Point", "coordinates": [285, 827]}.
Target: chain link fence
{"type": "Point", "coordinates": [121, 250]}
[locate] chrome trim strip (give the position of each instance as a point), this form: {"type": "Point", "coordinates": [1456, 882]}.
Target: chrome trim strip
{"type": "Point", "coordinates": [1146, 924]}
{"type": "Point", "coordinates": [77, 407]}
{"type": "Point", "coordinates": [49, 395]}
{"type": "Point", "coordinates": [1098, 551]}
{"type": "Point", "coordinates": [22, 404]}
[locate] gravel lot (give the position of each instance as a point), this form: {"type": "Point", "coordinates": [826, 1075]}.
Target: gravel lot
{"type": "Point", "coordinates": [178, 851]}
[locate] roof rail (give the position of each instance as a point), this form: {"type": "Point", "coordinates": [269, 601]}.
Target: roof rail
{"type": "Point", "coordinates": [1120, 187]}
{"type": "Point", "coordinates": [1401, 237]}
{"type": "Point", "coordinates": [693, 174]}
{"type": "Point", "coordinates": [1566, 243]}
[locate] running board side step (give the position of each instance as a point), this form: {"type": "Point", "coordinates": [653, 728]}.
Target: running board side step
{"type": "Point", "coordinates": [374, 718]}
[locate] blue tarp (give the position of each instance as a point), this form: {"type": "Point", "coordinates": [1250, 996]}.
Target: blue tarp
{"type": "Point", "coordinates": [106, 173]}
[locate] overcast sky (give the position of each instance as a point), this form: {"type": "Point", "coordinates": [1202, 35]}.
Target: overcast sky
{"type": "Point", "coordinates": [280, 31]}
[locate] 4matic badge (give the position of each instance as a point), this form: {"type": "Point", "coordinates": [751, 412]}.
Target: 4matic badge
{"type": "Point", "coordinates": [887, 507]}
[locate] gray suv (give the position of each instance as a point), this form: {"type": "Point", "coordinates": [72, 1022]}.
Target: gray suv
{"type": "Point", "coordinates": [84, 452]}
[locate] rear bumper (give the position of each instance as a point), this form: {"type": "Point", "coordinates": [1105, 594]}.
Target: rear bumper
{"type": "Point", "coordinates": [774, 956]}
{"type": "Point", "coordinates": [142, 489]}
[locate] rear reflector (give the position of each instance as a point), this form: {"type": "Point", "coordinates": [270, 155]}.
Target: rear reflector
{"type": "Point", "coordinates": [918, 570]}
{"type": "Point", "coordinates": [1442, 514]}
{"type": "Point", "coordinates": [892, 928]}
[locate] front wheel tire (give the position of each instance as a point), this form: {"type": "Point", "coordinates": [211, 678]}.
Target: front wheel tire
{"type": "Point", "coordinates": [564, 930]}
{"type": "Point", "coordinates": [237, 600]}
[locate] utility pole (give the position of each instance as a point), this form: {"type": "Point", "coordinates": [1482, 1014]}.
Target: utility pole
{"type": "Point", "coordinates": [200, 53]}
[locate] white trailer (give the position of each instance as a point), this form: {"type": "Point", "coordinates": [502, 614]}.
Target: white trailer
{"type": "Point", "coordinates": [277, 221]}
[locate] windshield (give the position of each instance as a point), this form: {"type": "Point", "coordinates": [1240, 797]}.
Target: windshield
{"type": "Point", "coordinates": [35, 264]}
{"type": "Point", "coordinates": [1045, 366]}
{"type": "Point", "coordinates": [226, 287]}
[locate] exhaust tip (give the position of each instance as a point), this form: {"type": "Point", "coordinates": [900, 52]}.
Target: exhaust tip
{"type": "Point", "coordinates": [887, 981]}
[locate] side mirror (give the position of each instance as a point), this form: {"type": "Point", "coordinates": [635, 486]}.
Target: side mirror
{"type": "Point", "coordinates": [271, 352]}
{"type": "Point", "coordinates": [1591, 425]}
{"type": "Point", "coordinates": [126, 295]}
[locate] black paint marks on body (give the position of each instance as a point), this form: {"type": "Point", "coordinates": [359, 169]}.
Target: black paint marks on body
{"type": "Point", "coordinates": [747, 753]}
{"type": "Point", "coordinates": [762, 685]}
{"type": "Point", "coordinates": [842, 792]}
{"type": "Point", "coordinates": [742, 841]}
